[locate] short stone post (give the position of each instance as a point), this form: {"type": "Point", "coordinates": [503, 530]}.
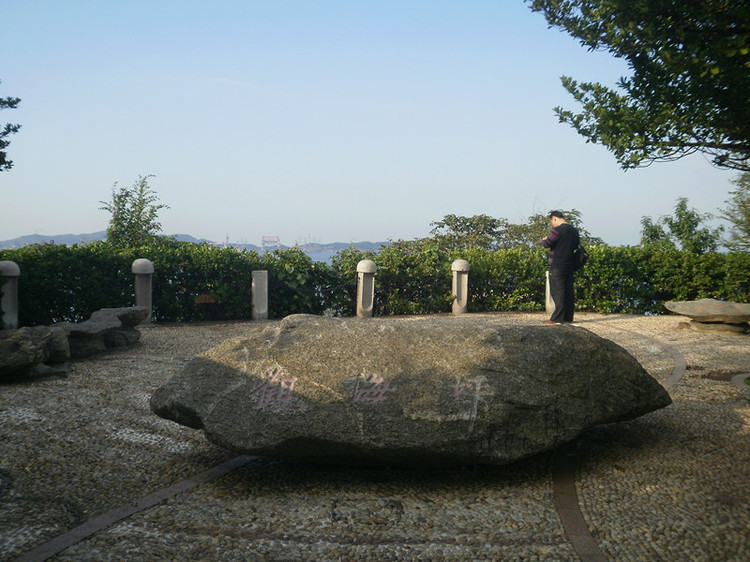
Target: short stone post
{"type": "Point", "coordinates": [9, 274]}
{"type": "Point", "coordinates": [460, 286]}
{"type": "Point", "coordinates": [365, 288]}
{"type": "Point", "coordinates": [260, 295]}
{"type": "Point", "coordinates": [143, 270]}
{"type": "Point", "coordinates": [549, 304]}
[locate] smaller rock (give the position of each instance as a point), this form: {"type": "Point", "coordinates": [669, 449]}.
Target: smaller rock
{"type": "Point", "coordinates": [42, 370]}
{"type": "Point", "coordinates": [713, 327]}
{"type": "Point", "coordinates": [26, 351]}
{"type": "Point", "coordinates": [121, 337]}
{"type": "Point", "coordinates": [108, 327]}
{"type": "Point", "coordinates": [129, 317]}
{"type": "Point", "coordinates": [712, 310]}
{"type": "Point", "coordinates": [87, 338]}
{"type": "Point", "coordinates": [58, 347]}
{"type": "Point", "coordinates": [24, 348]}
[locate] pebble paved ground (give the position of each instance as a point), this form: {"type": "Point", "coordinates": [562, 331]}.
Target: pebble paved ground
{"type": "Point", "coordinates": [672, 485]}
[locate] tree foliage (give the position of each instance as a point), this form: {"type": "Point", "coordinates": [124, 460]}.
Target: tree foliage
{"type": "Point", "coordinates": [459, 232]}
{"type": "Point", "coordinates": [686, 228]}
{"type": "Point", "coordinates": [690, 63]}
{"type": "Point", "coordinates": [134, 214]}
{"type": "Point", "coordinates": [737, 212]}
{"type": "Point", "coordinates": [7, 130]}
{"type": "Point", "coordinates": [537, 226]}
{"type": "Point", "coordinates": [482, 232]}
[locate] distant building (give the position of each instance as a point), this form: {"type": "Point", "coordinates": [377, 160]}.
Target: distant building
{"type": "Point", "coordinates": [268, 243]}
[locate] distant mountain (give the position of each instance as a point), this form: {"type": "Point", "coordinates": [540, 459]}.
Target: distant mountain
{"type": "Point", "coordinates": [70, 239]}
{"type": "Point", "coordinates": [188, 238]}
{"type": "Point", "coordinates": [64, 239]}
{"type": "Point", "coordinates": [319, 252]}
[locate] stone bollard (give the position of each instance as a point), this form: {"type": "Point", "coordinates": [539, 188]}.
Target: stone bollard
{"type": "Point", "coordinates": [260, 295]}
{"type": "Point", "coordinates": [365, 288]}
{"type": "Point", "coordinates": [549, 304]}
{"type": "Point", "coordinates": [460, 286]}
{"type": "Point", "coordinates": [143, 270]}
{"type": "Point", "coordinates": [9, 274]}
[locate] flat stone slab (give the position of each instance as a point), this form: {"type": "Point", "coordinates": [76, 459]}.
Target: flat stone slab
{"type": "Point", "coordinates": [418, 391]}
{"type": "Point", "coordinates": [106, 328]}
{"type": "Point", "coordinates": [711, 310]}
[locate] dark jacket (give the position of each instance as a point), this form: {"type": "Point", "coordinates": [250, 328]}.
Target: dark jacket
{"type": "Point", "coordinates": [562, 242]}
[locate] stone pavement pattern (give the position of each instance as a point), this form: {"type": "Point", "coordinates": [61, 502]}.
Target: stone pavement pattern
{"type": "Point", "coordinates": [669, 486]}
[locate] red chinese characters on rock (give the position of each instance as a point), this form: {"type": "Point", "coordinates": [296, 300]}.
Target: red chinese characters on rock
{"type": "Point", "coordinates": [371, 389]}
{"type": "Point", "coordinates": [274, 391]}
{"type": "Point", "coordinates": [471, 388]}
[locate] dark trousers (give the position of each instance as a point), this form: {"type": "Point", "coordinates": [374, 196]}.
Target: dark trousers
{"type": "Point", "coordinates": [561, 289]}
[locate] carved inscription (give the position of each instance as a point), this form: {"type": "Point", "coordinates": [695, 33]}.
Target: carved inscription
{"type": "Point", "coordinates": [274, 391]}
{"type": "Point", "coordinates": [371, 389]}
{"type": "Point", "coordinates": [473, 390]}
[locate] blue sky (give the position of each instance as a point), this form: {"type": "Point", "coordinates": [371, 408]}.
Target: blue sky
{"type": "Point", "coordinates": [322, 120]}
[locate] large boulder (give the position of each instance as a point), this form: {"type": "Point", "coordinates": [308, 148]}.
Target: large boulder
{"type": "Point", "coordinates": [24, 349]}
{"type": "Point", "coordinates": [420, 391]}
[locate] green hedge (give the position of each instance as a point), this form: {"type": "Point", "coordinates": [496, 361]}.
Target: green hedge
{"type": "Point", "coordinates": [407, 282]}
{"type": "Point", "coordinates": [70, 282]}
{"type": "Point", "coordinates": [505, 280]}
{"type": "Point", "coordinates": [640, 280]}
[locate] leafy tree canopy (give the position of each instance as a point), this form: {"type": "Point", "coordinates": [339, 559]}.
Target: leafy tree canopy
{"type": "Point", "coordinates": [537, 226]}
{"type": "Point", "coordinates": [737, 212]}
{"type": "Point", "coordinates": [685, 228]}
{"type": "Point", "coordinates": [690, 63]}
{"type": "Point", "coordinates": [8, 129]}
{"type": "Point", "coordinates": [134, 214]}
{"type": "Point", "coordinates": [479, 231]}
{"type": "Point", "coordinates": [455, 232]}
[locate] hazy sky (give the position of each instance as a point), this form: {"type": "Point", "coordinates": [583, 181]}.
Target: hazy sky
{"type": "Point", "coordinates": [324, 120]}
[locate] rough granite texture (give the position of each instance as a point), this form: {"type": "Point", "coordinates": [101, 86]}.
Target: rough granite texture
{"type": "Point", "coordinates": [22, 348]}
{"type": "Point", "coordinates": [106, 328]}
{"type": "Point", "coordinates": [427, 392]}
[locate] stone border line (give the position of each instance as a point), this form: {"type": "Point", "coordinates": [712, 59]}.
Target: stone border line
{"type": "Point", "coordinates": [680, 363]}
{"type": "Point", "coordinates": [569, 510]}
{"type": "Point", "coordinates": [567, 503]}
{"type": "Point", "coordinates": [93, 526]}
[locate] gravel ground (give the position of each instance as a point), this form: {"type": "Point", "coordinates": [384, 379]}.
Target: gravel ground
{"type": "Point", "coordinates": [671, 485]}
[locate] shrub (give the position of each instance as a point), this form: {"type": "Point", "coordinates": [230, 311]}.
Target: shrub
{"type": "Point", "coordinates": [505, 279]}
{"type": "Point", "coordinates": [70, 282]}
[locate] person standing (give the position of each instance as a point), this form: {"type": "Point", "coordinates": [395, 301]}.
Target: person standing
{"type": "Point", "coordinates": [562, 242]}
